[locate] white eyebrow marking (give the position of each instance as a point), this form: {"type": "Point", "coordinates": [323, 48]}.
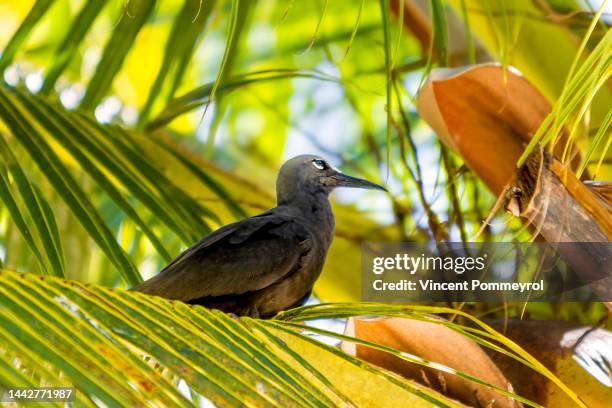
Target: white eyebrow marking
{"type": "Point", "coordinates": [317, 165]}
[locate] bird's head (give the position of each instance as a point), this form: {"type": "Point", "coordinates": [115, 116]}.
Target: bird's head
{"type": "Point", "coordinates": [309, 175]}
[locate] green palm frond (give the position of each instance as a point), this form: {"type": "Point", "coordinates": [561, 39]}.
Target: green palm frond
{"type": "Point", "coordinates": [142, 347]}
{"type": "Point", "coordinates": [19, 194]}
{"type": "Point", "coordinates": [581, 88]}
{"type": "Point", "coordinates": [154, 344]}
{"type": "Point", "coordinates": [37, 12]}
{"type": "Point", "coordinates": [187, 28]}
{"type": "Point", "coordinates": [132, 20]}
{"type": "Point", "coordinates": [69, 47]}
{"type": "Point", "coordinates": [201, 95]}
{"type": "Point", "coordinates": [109, 156]}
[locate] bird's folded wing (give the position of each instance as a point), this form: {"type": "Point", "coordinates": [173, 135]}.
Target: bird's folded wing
{"type": "Point", "coordinates": [242, 257]}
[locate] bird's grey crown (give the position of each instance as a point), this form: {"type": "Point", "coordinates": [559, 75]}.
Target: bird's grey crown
{"type": "Point", "coordinates": [299, 180]}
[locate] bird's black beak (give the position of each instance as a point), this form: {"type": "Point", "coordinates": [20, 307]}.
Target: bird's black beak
{"type": "Point", "coordinates": [342, 180]}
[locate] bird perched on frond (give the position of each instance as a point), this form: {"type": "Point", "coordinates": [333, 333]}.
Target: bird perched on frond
{"type": "Point", "coordinates": [267, 263]}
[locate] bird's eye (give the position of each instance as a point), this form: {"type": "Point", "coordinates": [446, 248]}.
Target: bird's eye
{"type": "Point", "coordinates": [319, 164]}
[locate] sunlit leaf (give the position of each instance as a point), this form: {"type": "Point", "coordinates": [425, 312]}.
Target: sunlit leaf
{"type": "Point", "coordinates": [25, 28]}
{"type": "Point", "coordinates": [187, 28]}
{"type": "Point", "coordinates": [202, 94]}
{"type": "Point", "coordinates": [133, 18]}
{"type": "Point", "coordinates": [69, 46]}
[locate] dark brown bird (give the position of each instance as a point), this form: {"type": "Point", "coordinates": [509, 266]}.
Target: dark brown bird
{"type": "Point", "coordinates": [267, 263]}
